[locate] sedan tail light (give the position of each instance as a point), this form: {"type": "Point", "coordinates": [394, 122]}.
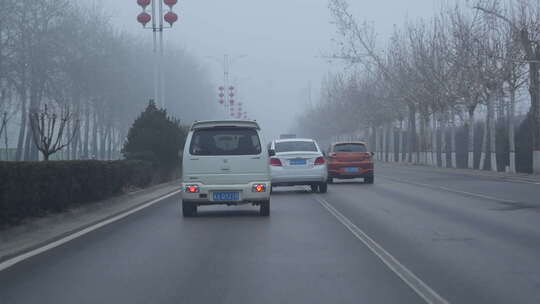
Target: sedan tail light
{"type": "Point", "coordinates": [275, 162]}
{"type": "Point", "coordinates": [319, 161]}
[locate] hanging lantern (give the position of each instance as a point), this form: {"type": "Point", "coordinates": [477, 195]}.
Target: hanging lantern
{"type": "Point", "coordinates": [144, 3]}
{"type": "Point", "coordinates": [231, 102]}
{"type": "Point", "coordinates": [221, 88]}
{"type": "Point", "coordinates": [231, 95]}
{"type": "Point", "coordinates": [231, 88]}
{"type": "Point", "coordinates": [170, 3]}
{"type": "Point", "coordinates": [221, 95]}
{"type": "Point", "coordinates": [171, 18]}
{"type": "Point", "coordinates": [221, 101]}
{"type": "Point", "coordinates": [144, 18]}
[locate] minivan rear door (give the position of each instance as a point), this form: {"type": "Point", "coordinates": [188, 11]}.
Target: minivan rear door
{"type": "Point", "coordinates": [225, 156]}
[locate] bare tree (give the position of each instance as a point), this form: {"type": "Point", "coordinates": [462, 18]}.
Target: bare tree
{"type": "Point", "coordinates": [524, 21]}
{"type": "Point", "coordinates": [48, 129]}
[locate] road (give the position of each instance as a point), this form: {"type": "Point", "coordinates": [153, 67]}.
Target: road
{"type": "Point", "coordinates": [465, 239]}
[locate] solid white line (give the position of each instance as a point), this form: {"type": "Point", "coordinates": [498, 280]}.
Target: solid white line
{"type": "Point", "coordinates": [415, 283]}
{"type": "Point", "coordinates": [482, 196]}
{"type": "Point", "coordinates": [8, 263]}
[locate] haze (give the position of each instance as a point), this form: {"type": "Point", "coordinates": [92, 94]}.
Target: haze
{"type": "Point", "coordinates": [283, 40]}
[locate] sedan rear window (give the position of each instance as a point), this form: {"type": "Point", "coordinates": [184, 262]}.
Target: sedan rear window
{"type": "Point", "coordinates": [350, 148]}
{"type": "Point", "coordinates": [225, 141]}
{"type": "Point", "coordinates": [296, 146]}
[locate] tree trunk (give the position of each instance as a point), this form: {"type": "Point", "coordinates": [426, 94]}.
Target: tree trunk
{"type": "Point", "coordinates": [453, 156]}
{"type": "Point", "coordinates": [94, 138]}
{"type": "Point", "coordinates": [444, 144]}
{"type": "Point", "coordinates": [511, 131]}
{"type": "Point", "coordinates": [482, 165]}
{"type": "Point", "coordinates": [470, 155]}
{"type": "Point", "coordinates": [434, 143]}
{"type": "Point", "coordinates": [22, 130]}
{"type": "Point", "coordinates": [86, 132]}
{"type": "Point", "coordinates": [534, 90]}
{"type": "Point", "coordinates": [492, 134]}
{"type": "Point", "coordinates": [411, 144]}
{"type": "Point", "coordinates": [400, 142]}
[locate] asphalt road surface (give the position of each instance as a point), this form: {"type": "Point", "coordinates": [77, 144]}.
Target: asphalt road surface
{"type": "Point", "coordinates": [415, 236]}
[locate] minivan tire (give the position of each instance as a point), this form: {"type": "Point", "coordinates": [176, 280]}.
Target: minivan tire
{"type": "Point", "coordinates": [314, 188]}
{"type": "Point", "coordinates": [265, 208]}
{"type": "Point", "coordinates": [323, 187]}
{"type": "Point", "coordinates": [189, 209]}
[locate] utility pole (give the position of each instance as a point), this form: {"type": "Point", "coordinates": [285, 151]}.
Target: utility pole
{"type": "Point", "coordinates": [157, 16]}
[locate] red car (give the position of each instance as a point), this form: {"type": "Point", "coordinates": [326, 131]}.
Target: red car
{"type": "Point", "coordinates": [347, 160]}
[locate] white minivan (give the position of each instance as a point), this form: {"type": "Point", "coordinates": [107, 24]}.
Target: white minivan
{"type": "Point", "coordinates": [224, 164]}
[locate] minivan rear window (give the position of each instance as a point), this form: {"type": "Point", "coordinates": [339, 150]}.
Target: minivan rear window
{"type": "Point", "coordinates": [296, 146]}
{"type": "Point", "coordinates": [225, 141]}
{"type": "Point", "coordinates": [350, 148]}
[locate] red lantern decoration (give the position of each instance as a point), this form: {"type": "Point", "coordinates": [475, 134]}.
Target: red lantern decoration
{"type": "Point", "coordinates": [231, 102]}
{"type": "Point", "coordinates": [170, 3]}
{"type": "Point", "coordinates": [144, 3]}
{"type": "Point", "coordinates": [231, 88]}
{"type": "Point", "coordinates": [144, 18]}
{"type": "Point", "coordinates": [221, 95]}
{"type": "Point", "coordinates": [171, 18]}
{"type": "Point", "coordinates": [231, 95]}
{"type": "Point", "coordinates": [221, 88]}
{"type": "Point", "coordinates": [221, 101]}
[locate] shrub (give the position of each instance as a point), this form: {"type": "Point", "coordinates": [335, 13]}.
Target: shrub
{"type": "Point", "coordinates": [29, 189]}
{"type": "Point", "coordinates": [156, 138]}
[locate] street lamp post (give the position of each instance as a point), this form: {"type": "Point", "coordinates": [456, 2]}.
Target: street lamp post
{"type": "Point", "coordinates": [157, 17]}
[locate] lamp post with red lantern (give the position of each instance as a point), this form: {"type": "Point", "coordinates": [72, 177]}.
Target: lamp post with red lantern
{"type": "Point", "coordinates": [157, 15]}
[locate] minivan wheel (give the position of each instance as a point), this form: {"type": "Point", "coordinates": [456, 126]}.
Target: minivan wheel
{"type": "Point", "coordinates": [314, 188]}
{"type": "Point", "coordinates": [189, 209]}
{"type": "Point", "coordinates": [265, 208]}
{"type": "Point", "coordinates": [323, 187]}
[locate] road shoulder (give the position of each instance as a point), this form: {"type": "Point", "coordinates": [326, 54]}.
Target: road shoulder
{"type": "Point", "coordinates": [513, 177]}
{"type": "Point", "coordinates": [38, 232]}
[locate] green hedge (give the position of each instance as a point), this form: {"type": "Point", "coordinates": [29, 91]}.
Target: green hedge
{"type": "Point", "coordinates": [29, 189]}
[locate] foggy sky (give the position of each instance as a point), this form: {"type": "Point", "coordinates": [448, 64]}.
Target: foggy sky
{"type": "Point", "coordinates": [283, 41]}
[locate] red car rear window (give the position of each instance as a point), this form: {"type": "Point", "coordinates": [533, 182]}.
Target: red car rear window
{"type": "Point", "coordinates": [350, 148]}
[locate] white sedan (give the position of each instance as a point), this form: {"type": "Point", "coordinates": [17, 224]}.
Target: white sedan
{"type": "Point", "coordinates": [298, 162]}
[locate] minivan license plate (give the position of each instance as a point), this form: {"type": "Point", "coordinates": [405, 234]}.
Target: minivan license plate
{"type": "Point", "coordinates": [351, 170]}
{"type": "Point", "coordinates": [226, 196]}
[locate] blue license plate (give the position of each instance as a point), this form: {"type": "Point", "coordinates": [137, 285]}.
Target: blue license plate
{"type": "Point", "coordinates": [297, 162]}
{"type": "Point", "coordinates": [351, 170]}
{"type": "Point", "coordinates": [226, 196]}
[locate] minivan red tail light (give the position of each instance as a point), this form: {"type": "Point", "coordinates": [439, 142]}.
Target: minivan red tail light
{"type": "Point", "coordinates": [275, 162]}
{"type": "Point", "coordinates": [192, 189]}
{"type": "Point", "coordinates": [319, 161]}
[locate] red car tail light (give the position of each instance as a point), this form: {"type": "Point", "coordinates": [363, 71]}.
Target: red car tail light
{"type": "Point", "coordinates": [319, 161]}
{"type": "Point", "coordinates": [275, 162]}
{"type": "Point", "coordinates": [192, 189]}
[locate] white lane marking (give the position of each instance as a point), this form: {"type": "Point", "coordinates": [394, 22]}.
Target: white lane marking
{"type": "Point", "coordinates": [483, 196]}
{"type": "Point", "coordinates": [422, 289]}
{"type": "Point", "coordinates": [12, 261]}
